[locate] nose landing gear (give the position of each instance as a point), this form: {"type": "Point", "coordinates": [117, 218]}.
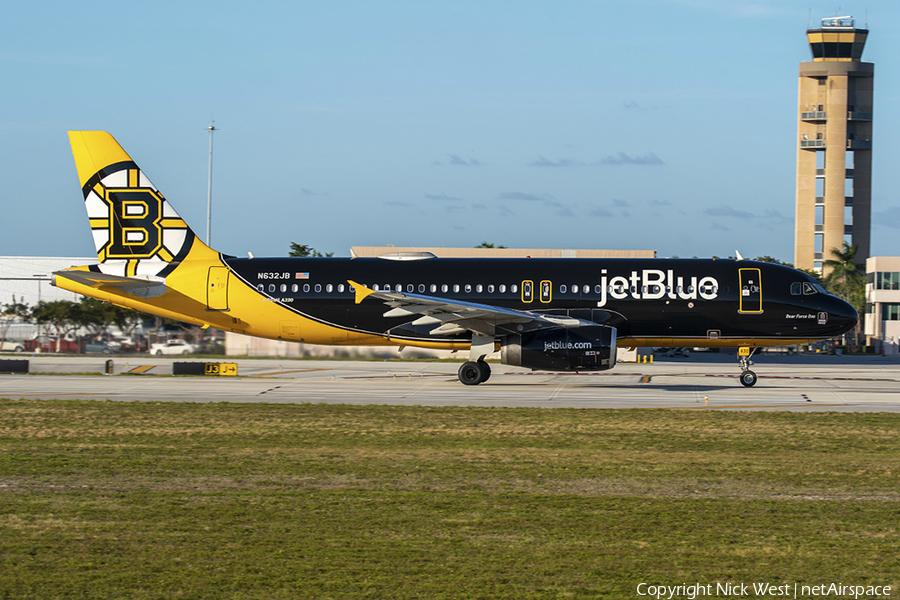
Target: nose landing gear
{"type": "Point", "coordinates": [748, 377]}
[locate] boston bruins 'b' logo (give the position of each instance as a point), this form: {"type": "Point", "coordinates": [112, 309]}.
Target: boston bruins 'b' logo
{"type": "Point", "coordinates": [134, 227]}
{"type": "Point", "coordinates": [130, 219]}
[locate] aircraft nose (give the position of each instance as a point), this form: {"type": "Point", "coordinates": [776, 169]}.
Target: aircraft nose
{"type": "Point", "coordinates": [843, 316]}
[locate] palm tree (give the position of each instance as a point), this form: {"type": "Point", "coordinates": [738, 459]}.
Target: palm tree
{"type": "Point", "coordinates": [846, 279]}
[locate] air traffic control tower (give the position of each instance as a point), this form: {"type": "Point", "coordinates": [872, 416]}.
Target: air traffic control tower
{"type": "Point", "coordinates": [834, 154]}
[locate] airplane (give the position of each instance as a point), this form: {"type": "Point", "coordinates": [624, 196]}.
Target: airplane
{"type": "Point", "coordinates": [566, 314]}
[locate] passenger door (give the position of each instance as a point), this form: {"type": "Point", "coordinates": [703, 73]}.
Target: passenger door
{"type": "Point", "coordinates": [750, 290]}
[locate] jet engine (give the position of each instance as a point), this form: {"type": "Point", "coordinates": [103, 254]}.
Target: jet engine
{"type": "Point", "coordinates": [584, 348]}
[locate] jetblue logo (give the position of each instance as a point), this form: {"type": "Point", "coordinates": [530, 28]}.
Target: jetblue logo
{"type": "Point", "coordinates": [656, 284]}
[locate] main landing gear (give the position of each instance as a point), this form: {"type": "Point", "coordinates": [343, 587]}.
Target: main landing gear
{"type": "Point", "coordinates": [474, 372]}
{"type": "Point", "coordinates": [477, 371]}
{"type": "Point", "coordinates": [748, 377]}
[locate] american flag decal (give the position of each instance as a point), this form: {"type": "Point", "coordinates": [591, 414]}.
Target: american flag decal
{"type": "Point", "coordinates": [302, 275]}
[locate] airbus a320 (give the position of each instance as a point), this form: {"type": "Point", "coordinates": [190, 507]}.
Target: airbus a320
{"type": "Point", "coordinates": [565, 314]}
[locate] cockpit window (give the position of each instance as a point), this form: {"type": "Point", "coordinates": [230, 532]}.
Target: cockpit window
{"type": "Point", "coordinates": [807, 288]}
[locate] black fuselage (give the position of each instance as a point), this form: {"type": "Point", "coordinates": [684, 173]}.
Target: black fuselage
{"type": "Point", "coordinates": [651, 302]}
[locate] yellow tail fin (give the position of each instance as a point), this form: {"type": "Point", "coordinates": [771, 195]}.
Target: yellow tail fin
{"type": "Point", "coordinates": [130, 219]}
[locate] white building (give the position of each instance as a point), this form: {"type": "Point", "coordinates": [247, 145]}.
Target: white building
{"type": "Point", "coordinates": [883, 302]}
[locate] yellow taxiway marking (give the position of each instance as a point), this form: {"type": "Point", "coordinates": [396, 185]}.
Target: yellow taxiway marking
{"type": "Point", "coordinates": [141, 369]}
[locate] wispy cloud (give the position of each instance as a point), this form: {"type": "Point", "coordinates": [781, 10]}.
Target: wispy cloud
{"type": "Point", "coordinates": [728, 211]}
{"type": "Point", "coordinates": [619, 159]}
{"type": "Point", "coordinates": [768, 218]}
{"type": "Point", "coordinates": [458, 161]}
{"type": "Point", "coordinates": [635, 105]}
{"type": "Point", "coordinates": [649, 159]}
{"type": "Point", "coordinates": [442, 197]}
{"type": "Point", "coordinates": [546, 200]}
{"type": "Point", "coordinates": [601, 213]}
{"type": "Point", "coordinates": [563, 162]}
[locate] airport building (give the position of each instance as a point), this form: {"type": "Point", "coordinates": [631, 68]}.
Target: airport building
{"type": "Point", "coordinates": [883, 303]}
{"type": "Point", "coordinates": [834, 154]}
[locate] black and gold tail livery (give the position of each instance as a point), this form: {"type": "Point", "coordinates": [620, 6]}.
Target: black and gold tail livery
{"type": "Point", "coordinates": [135, 231]}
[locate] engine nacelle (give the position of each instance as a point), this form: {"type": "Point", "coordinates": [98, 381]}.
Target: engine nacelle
{"type": "Point", "coordinates": [586, 348]}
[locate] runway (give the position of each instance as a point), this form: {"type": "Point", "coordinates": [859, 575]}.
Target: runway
{"type": "Point", "coordinates": [698, 383]}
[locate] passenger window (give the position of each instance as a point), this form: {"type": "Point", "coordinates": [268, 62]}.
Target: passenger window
{"type": "Point", "coordinates": [261, 288]}
{"type": "Point", "coordinates": [586, 289]}
{"type": "Point", "coordinates": [444, 288]}
{"type": "Point", "coordinates": [456, 288]}
{"type": "Point", "coordinates": [295, 288]}
{"type": "Point", "coordinates": [410, 288]}
{"type": "Point", "coordinates": [514, 288]}
{"type": "Point", "coordinates": [283, 288]}
{"type": "Point", "coordinates": [421, 288]}
{"type": "Point", "coordinates": [598, 289]}
{"type": "Point", "coordinates": [433, 288]}
{"type": "Point", "coordinates": [562, 288]}
{"type": "Point", "coordinates": [479, 288]}
{"type": "Point", "coordinates": [490, 288]}
{"type": "Point", "coordinates": [468, 288]}
{"type": "Point", "coordinates": [329, 287]}
{"type": "Point", "coordinates": [318, 287]}
{"type": "Point", "coordinates": [340, 287]}
{"type": "Point", "coordinates": [398, 287]}
{"type": "Point", "coordinates": [271, 287]}
{"type": "Point", "coordinates": [503, 288]}
{"type": "Point", "coordinates": [306, 288]}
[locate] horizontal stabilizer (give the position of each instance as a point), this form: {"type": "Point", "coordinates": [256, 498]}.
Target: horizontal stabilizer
{"type": "Point", "coordinates": [142, 287]}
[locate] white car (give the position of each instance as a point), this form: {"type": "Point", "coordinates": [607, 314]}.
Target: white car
{"type": "Point", "coordinates": [172, 347]}
{"type": "Point", "coordinates": [10, 345]}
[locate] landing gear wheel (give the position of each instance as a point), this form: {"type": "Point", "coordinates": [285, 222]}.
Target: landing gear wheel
{"type": "Point", "coordinates": [748, 379]}
{"type": "Point", "coordinates": [485, 371]}
{"type": "Point", "coordinates": [473, 373]}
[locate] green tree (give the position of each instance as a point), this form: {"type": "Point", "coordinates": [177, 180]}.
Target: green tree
{"type": "Point", "coordinates": [771, 259]}
{"type": "Point", "coordinates": [62, 315]}
{"type": "Point", "coordinates": [12, 312]}
{"type": "Point", "coordinates": [846, 279]}
{"type": "Point", "coordinates": [304, 251]}
{"type": "Point", "coordinates": [488, 245]}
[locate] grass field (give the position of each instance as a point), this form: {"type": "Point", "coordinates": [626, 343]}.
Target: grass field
{"type": "Point", "coordinates": [147, 500]}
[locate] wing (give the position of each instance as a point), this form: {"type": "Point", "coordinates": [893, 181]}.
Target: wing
{"type": "Point", "coordinates": [143, 287]}
{"type": "Point", "coordinates": [456, 316]}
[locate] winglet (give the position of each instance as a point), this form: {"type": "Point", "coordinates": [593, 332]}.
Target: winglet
{"type": "Point", "coordinates": [362, 292]}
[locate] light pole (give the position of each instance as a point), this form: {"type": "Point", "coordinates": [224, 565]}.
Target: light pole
{"type": "Point", "coordinates": [210, 129]}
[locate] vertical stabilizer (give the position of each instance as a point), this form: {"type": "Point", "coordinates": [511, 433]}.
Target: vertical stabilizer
{"type": "Point", "coordinates": [135, 230]}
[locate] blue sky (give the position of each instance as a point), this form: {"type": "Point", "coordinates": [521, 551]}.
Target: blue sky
{"type": "Point", "coordinates": [665, 124]}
